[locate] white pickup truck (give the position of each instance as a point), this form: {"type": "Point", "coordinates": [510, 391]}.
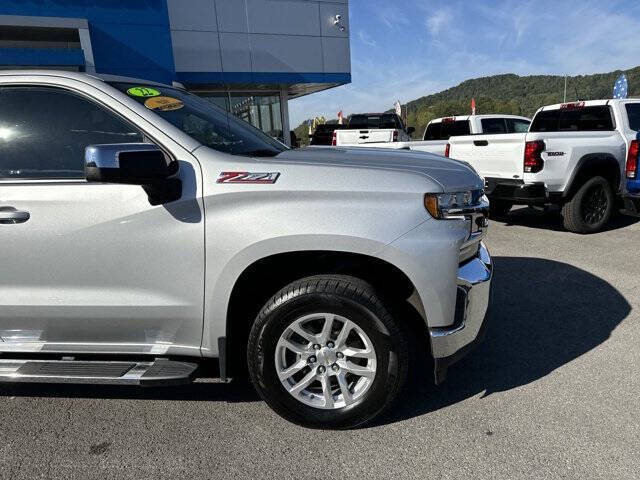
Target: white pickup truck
{"type": "Point", "coordinates": [438, 132]}
{"type": "Point", "coordinates": [372, 128]}
{"type": "Point", "coordinates": [574, 155]}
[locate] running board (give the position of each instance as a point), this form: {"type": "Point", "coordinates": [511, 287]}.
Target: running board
{"type": "Point", "coordinates": [156, 372]}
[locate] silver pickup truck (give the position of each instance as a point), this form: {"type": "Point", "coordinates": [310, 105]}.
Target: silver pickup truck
{"type": "Point", "coordinates": [145, 232]}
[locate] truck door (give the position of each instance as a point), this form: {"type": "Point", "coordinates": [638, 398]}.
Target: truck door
{"type": "Point", "coordinates": [88, 266]}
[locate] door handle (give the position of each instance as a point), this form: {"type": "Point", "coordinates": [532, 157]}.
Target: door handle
{"type": "Point", "coordinates": [10, 216]}
{"type": "Point", "coordinates": [480, 143]}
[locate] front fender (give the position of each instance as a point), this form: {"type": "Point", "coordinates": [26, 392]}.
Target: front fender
{"type": "Point", "coordinates": [242, 229]}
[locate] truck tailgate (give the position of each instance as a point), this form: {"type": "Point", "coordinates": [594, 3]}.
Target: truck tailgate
{"type": "Point", "coordinates": [357, 137]}
{"type": "Point", "coordinates": [498, 156]}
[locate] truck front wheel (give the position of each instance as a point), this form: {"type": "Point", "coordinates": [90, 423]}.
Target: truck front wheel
{"type": "Point", "coordinates": [325, 353]}
{"type": "Point", "coordinates": [590, 208]}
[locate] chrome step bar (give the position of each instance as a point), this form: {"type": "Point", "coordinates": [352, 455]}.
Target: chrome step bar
{"type": "Point", "coordinates": [156, 372]}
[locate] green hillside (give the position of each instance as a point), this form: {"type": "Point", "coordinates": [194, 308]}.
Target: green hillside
{"type": "Point", "coordinates": [513, 94]}
{"type": "Point", "coordinates": [508, 93]}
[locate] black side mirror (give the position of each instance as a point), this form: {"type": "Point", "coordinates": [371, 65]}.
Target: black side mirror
{"type": "Point", "coordinates": [134, 164]}
{"type": "Point", "coordinates": [130, 163]}
{"type": "Point", "coordinates": [411, 130]}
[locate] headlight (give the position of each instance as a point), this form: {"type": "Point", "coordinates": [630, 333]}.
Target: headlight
{"type": "Point", "coordinates": [443, 205]}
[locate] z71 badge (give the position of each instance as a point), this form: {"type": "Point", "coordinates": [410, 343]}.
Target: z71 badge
{"type": "Point", "coordinates": [248, 177]}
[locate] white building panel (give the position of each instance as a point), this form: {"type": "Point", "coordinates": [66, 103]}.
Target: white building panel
{"type": "Point", "coordinates": [196, 51]}
{"type": "Point", "coordinates": [286, 53]}
{"type": "Point", "coordinates": [236, 52]}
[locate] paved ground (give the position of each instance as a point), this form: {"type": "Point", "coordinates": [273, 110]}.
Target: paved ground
{"type": "Point", "coordinates": [552, 393]}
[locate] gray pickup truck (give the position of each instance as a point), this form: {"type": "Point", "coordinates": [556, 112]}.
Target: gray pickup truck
{"type": "Point", "coordinates": [146, 232]}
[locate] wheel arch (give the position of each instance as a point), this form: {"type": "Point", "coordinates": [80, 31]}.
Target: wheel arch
{"type": "Point", "coordinates": [248, 295]}
{"type": "Point", "coordinates": [594, 164]}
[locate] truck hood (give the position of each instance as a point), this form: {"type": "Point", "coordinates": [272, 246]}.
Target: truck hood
{"type": "Point", "coordinates": [451, 175]}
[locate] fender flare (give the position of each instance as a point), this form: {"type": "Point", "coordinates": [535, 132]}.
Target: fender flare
{"type": "Point", "coordinates": [591, 160]}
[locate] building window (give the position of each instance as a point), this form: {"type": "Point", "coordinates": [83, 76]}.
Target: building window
{"type": "Point", "coordinates": [262, 110]}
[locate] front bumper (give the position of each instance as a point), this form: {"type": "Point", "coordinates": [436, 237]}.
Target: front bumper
{"type": "Point", "coordinates": [515, 191]}
{"type": "Point", "coordinates": [449, 344]}
{"type": "Point", "coordinates": [631, 204]}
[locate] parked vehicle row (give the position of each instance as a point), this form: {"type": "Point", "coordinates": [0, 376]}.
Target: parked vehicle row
{"type": "Point", "coordinates": [145, 232]}
{"type": "Point", "coordinates": [577, 155]}
{"type": "Point", "coordinates": [436, 134]}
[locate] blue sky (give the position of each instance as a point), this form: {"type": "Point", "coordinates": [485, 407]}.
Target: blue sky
{"type": "Point", "coordinates": [405, 49]}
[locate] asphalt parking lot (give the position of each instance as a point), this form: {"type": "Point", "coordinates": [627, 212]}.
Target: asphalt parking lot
{"type": "Point", "coordinates": [552, 393]}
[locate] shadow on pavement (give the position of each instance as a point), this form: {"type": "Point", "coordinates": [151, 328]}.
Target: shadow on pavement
{"type": "Point", "coordinates": [543, 315]}
{"type": "Point", "coordinates": [552, 220]}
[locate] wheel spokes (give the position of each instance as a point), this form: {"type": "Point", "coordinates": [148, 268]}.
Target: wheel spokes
{"type": "Point", "coordinates": [358, 370]}
{"type": "Point", "coordinates": [308, 336]}
{"type": "Point", "coordinates": [325, 334]}
{"type": "Point", "coordinates": [304, 383]}
{"type": "Point", "coordinates": [344, 389]}
{"type": "Point", "coordinates": [318, 347]}
{"type": "Point", "coordinates": [325, 381]}
{"type": "Point", "coordinates": [347, 326]}
{"type": "Point", "coordinates": [359, 353]}
{"type": "Point", "coordinates": [292, 370]}
{"type": "Point", "coordinates": [295, 347]}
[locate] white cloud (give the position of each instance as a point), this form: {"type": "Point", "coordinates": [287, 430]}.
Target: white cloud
{"type": "Point", "coordinates": [436, 21]}
{"type": "Point", "coordinates": [391, 16]}
{"type": "Point", "coordinates": [366, 38]}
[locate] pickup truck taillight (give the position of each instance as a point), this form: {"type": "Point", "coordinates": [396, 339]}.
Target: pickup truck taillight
{"type": "Point", "coordinates": [447, 149]}
{"type": "Point", "coordinates": [533, 161]}
{"type": "Point", "coordinates": [395, 135]}
{"type": "Point", "coordinates": [632, 160]}
{"type": "Point", "coordinates": [334, 139]}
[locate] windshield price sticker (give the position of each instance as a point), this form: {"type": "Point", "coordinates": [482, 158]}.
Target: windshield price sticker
{"type": "Point", "coordinates": [143, 92]}
{"type": "Point", "coordinates": [163, 104]}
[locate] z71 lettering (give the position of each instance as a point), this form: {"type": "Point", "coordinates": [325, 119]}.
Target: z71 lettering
{"type": "Point", "coordinates": [248, 177]}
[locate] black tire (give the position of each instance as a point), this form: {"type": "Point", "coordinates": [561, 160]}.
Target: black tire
{"type": "Point", "coordinates": [590, 208]}
{"type": "Point", "coordinates": [341, 295]}
{"type": "Point", "coordinates": [499, 208]}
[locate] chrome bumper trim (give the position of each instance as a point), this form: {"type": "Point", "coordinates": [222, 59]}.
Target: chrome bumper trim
{"type": "Point", "coordinates": [474, 277]}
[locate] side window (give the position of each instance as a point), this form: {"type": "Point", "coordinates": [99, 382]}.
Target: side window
{"type": "Point", "coordinates": [44, 131]}
{"type": "Point", "coordinates": [633, 112]}
{"type": "Point", "coordinates": [493, 125]}
{"type": "Point", "coordinates": [515, 125]}
{"type": "Point", "coordinates": [457, 128]}
{"type": "Point", "coordinates": [433, 131]}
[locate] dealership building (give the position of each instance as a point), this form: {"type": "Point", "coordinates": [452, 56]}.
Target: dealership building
{"type": "Point", "coordinates": [248, 56]}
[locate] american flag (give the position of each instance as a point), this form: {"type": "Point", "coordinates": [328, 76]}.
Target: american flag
{"type": "Point", "coordinates": [621, 87]}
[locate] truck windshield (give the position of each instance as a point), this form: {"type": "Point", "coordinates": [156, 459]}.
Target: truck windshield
{"type": "Point", "coordinates": [205, 122]}
{"type": "Point", "coordinates": [584, 119]}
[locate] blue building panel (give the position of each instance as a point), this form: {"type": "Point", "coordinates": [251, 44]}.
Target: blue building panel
{"type": "Point", "coordinates": [128, 37]}
{"type": "Point", "coordinates": [138, 38]}
{"type": "Point", "coordinates": [142, 51]}
{"type": "Point", "coordinates": [42, 56]}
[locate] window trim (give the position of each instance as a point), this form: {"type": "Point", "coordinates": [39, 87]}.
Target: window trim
{"type": "Point", "coordinates": [626, 114]}
{"type": "Point", "coordinates": [614, 123]}
{"type": "Point", "coordinates": [79, 93]}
